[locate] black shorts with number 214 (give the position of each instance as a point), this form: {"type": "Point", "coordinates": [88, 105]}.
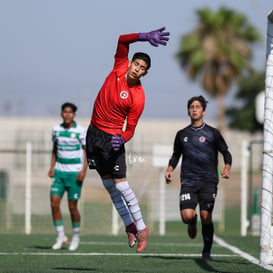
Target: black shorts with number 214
{"type": "Point", "coordinates": [205, 196]}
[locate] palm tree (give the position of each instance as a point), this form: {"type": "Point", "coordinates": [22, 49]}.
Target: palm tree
{"type": "Point", "coordinates": [243, 117]}
{"type": "Point", "coordinates": [217, 52]}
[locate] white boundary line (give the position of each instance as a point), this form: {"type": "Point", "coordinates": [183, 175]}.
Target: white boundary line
{"type": "Point", "coordinates": [111, 254]}
{"type": "Point", "coordinates": [241, 253]}
{"type": "Point", "coordinates": [154, 244]}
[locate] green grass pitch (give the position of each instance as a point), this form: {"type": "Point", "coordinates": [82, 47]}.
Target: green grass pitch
{"type": "Point", "coordinates": [98, 253]}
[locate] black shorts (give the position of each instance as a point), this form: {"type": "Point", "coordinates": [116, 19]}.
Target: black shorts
{"type": "Point", "coordinates": [190, 197]}
{"type": "Point", "coordinates": [102, 157]}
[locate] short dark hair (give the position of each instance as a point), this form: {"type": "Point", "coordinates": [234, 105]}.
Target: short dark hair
{"type": "Point", "coordinates": [201, 99]}
{"type": "Point", "coordinates": [143, 56]}
{"type": "Point", "coordinates": [71, 105]}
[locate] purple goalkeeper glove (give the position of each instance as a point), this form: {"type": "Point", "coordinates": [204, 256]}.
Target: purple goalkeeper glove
{"type": "Point", "coordinates": [117, 141]}
{"type": "Point", "coordinates": [155, 37]}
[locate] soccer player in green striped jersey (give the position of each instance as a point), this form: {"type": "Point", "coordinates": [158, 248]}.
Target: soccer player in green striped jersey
{"type": "Point", "coordinates": [68, 168]}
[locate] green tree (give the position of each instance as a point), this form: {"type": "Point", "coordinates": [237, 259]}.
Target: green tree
{"type": "Point", "coordinates": [243, 117]}
{"type": "Point", "coordinates": [217, 51]}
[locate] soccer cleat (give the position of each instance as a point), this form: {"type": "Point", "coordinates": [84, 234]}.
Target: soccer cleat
{"type": "Point", "coordinates": [74, 243]}
{"type": "Point", "coordinates": [142, 237]}
{"type": "Point", "coordinates": [192, 230]}
{"type": "Point", "coordinates": [206, 257]}
{"type": "Point", "coordinates": [59, 242]}
{"type": "Point", "coordinates": [132, 233]}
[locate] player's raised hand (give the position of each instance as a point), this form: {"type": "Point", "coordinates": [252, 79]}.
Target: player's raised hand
{"type": "Point", "coordinates": [155, 37]}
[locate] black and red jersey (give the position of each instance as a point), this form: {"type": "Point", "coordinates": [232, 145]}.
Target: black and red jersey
{"type": "Point", "coordinates": [199, 149]}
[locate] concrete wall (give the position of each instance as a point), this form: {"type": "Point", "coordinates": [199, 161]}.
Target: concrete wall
{"type": "Point", "coordinates": [16, 131]}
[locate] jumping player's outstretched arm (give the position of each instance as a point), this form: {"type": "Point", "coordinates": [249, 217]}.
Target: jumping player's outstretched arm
{"type": "Point", "coordinates": [155, 38]}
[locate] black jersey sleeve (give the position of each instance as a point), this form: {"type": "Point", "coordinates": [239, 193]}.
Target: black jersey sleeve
{"type": "Point", "coordinates": [223, 148]}
{"type": "Point", "coordinates": [227, 157]}
{"type": "Point", "coordinates": [177, 151]}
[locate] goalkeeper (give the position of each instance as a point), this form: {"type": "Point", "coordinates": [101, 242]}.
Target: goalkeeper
{"type": "Point", "coordinates": [121, 98]}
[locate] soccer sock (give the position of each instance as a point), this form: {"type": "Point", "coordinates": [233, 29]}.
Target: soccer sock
{"type": "Point", "coordinates": [193, 220]}
{"type": "Point", "coordinates": [132, 203]}
{"type": "Point", "coordinates": [118, 201]}
{"type": "Point", "coordinates": [76, 229]}
{"type": "Point", "coordinates": [207, 232]}
{"type": "Point", "coordinates": [59, 228]}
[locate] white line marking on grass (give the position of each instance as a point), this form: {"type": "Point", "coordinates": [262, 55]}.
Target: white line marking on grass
{"type": "Point", "coordinates": [241, 253]}
{"type": "Point", "coordinates": [154, 244]}
{"type": "Point", "coordinates": [111, 254]}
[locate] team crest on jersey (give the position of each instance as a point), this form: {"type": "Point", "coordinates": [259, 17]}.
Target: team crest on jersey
{"type": "Point", "coordinates": [124, 94]}
{"type": "Point", "coordinates": [73, 135]}
{"type": "Point", "coordinates": [186, 139]}
{"type": "Point", "coordinates": [202, 139]}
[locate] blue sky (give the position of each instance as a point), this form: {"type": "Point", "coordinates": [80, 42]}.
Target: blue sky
{"type": "Point", "coordinates": [53, 51]}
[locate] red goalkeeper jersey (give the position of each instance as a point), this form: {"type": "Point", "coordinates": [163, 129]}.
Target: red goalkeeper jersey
{"type": "Point", "coordinates": [117, 100]}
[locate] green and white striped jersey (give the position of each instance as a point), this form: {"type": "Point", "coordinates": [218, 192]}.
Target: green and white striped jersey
{"type": "Point", "coordinates": [70, 143]}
